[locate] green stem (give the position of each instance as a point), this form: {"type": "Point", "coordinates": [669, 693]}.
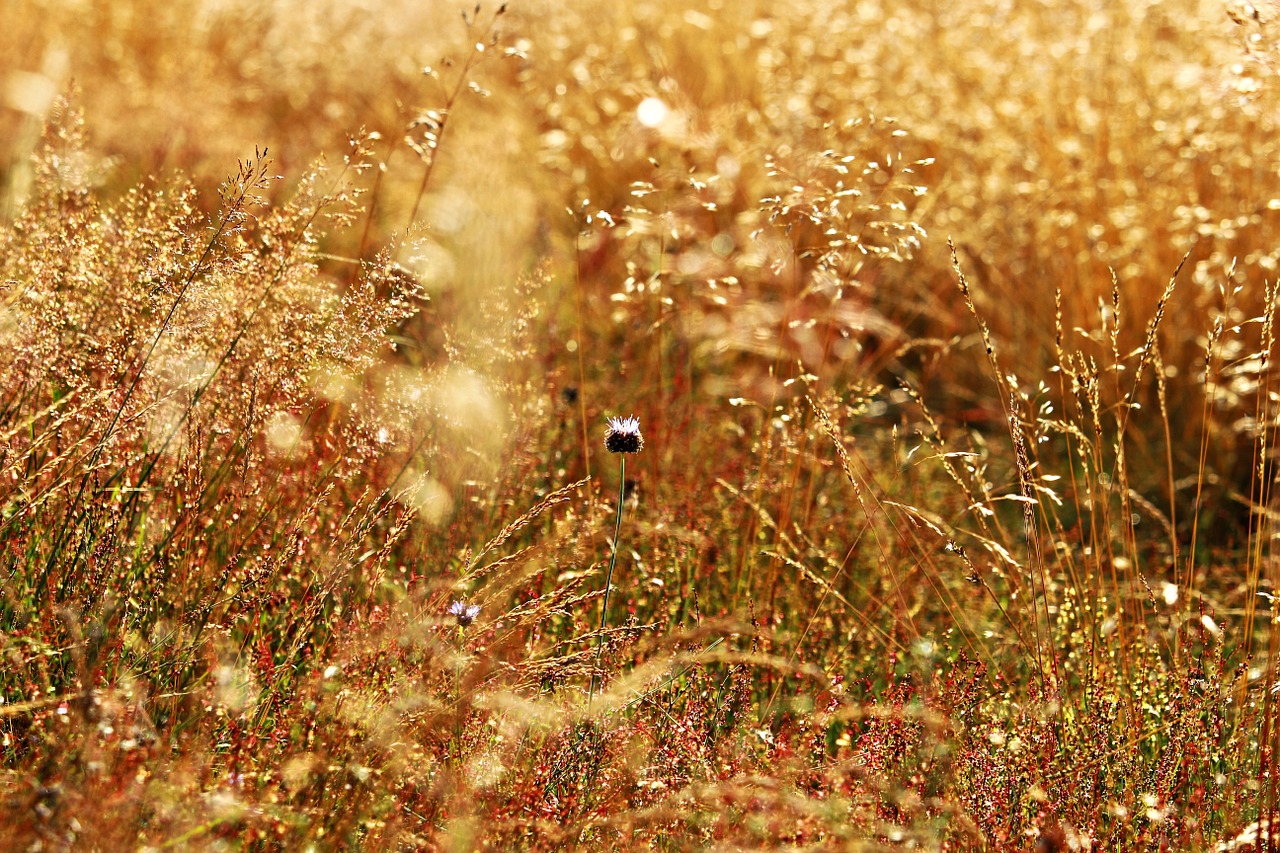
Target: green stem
{"type": "Point", "coordinates": [608, 578]}
{"type": "Point", "coordinates": [455, 753]}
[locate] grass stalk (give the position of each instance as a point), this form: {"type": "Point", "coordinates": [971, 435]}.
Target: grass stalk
{"type": "Point", "coordinates": [608, 578]}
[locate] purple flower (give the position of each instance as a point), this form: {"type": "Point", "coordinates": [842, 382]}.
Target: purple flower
{"type": "Point", "coordinates": [464, 613]}
{"type": "Point", "coordinates": [623, 435]}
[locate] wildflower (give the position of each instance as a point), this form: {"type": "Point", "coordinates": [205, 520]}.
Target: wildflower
{"type": "Point", "coordinates": [464, 613]}
{"type": "Point", "coordinates": [623, 435]}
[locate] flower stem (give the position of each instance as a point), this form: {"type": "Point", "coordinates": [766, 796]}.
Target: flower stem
{"type": "Point", "coordinates": [608, 578]}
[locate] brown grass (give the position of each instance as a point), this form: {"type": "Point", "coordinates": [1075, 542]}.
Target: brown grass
{"type": "Point", "coordinates": [949, 328]}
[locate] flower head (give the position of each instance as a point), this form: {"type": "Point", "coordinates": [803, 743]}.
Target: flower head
{"type": "Point", "coordinates": [464, 613]}
{"type": "Point", "coordinates": [623, 435]}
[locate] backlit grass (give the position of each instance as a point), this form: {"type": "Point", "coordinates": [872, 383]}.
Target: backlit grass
{"type": "Point", "coordinates": [949, 328]}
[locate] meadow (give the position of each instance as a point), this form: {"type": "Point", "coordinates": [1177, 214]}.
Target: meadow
{"type": "Point", "coordinates": [948, 328]}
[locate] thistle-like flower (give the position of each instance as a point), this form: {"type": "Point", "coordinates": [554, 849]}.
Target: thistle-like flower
{"type": "Point", "coordinates": [623, 435]}
{"type": "Point", "coordinates": [464, 613]}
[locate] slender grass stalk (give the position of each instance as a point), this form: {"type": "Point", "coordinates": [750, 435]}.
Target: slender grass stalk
{"type": "Point", "coordinates": [608, 577]}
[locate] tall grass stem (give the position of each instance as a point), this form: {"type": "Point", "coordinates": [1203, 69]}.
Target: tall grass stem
{"type": "Point", "coordinates": [608, 578]}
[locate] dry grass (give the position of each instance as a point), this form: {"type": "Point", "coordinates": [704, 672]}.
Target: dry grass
{"type": "Point", "coordinates": [949, 329]}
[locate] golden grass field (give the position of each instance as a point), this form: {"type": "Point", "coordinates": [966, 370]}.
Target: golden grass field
{"type": "Point", "coordinates": [948, 328]}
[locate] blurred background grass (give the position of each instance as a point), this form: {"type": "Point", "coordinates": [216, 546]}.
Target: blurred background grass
{"type": "Point", "coordinates": [1066, 140]}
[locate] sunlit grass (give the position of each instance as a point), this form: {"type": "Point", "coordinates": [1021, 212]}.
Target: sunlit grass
{"type": "Point", "coordinates": [950, 328]}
